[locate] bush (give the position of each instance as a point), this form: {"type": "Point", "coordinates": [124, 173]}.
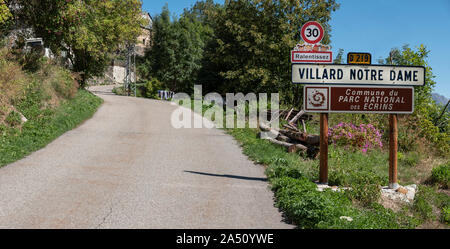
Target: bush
{"type": "Point", "coordinates": [441, 175]}
{"type": "Point", "coordinates": [364, 137]}
{"type": "Point", "coordinates": [446, 214]}
{"type": "Point", "coordinates": [306, 206]}
{"type": "Point", "coordinates": [152, 86]}
{"type": "Point", "coordinates": [365, 188]}
{"type": "Point", "coordinates": [13, 119]}
{"type": "Point", "coordinates": [423, 208]}
{"type": "Point", "coordinates": [409, 159]}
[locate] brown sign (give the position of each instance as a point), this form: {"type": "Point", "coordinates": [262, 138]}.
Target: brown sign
{"type": "Point", "coordinates": [359, 99]}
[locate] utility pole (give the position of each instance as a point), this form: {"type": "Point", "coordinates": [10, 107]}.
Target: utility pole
{"type": "Point", "coordinates": [130, 69]}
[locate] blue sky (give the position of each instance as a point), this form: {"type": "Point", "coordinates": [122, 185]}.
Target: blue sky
{"type": "Point", "coordinates": [376, 26]}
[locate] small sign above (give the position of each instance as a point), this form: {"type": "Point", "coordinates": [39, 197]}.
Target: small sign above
{"type": "Point", "coordinates": [358, 99]}
{"type": "Point", "coordinates": [338, 74]}
{"type": "Point", "coordinates": [312, 32]}
{"type": "Point", "coordinates": [359, 58]}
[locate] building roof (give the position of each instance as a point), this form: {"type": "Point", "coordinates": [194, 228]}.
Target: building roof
{"type": "Point", "coordinates": [148, 17]}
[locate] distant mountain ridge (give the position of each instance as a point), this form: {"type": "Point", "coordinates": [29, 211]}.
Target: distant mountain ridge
{"type": "Point", "coordinates": [440, 99]}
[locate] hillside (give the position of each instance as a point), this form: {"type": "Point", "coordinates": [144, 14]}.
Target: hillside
{"type": "Point", "coordinates": [440, 99]}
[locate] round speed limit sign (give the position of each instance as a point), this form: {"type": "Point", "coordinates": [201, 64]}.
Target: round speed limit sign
{"type": "Point", "coordinates": [312, 32]}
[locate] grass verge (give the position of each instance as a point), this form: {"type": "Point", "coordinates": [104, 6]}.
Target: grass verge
{"type": "Point", "coordinates": [44, 125]}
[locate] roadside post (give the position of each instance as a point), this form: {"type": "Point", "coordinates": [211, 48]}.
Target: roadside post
{"type": "Point", "coordinates": [393, 146]}
{"type": "Point", "coordinates": [356, 87]}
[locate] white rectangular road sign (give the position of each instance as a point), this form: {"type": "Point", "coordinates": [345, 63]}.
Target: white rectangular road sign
{"type": "Point", "coordinates": [337, 74]}
{"type": "Point", "coordinates": [311, 56]}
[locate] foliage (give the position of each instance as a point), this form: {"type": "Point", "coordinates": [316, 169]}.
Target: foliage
{"type": "Point", "coordinates": [13, 119]}
{"type": "Point", "coordinates": [441, 175]}
{"type": "Point", "coordinates": [429, 204]}
{"type": "Point", "coordinates": [409, 159]}
{"type": "Point", "coordinates": [5, 15]}
{"type": "Point", "coordinates": [177, 50]}
{"type": "Point", "coordinates": [45, 125]}
{"type": "Point", "coordinates": [339, 57]}
{"type": "Point", "coordinates": [306, 206]}
{"type": "Point", "coordinates": [364, 137]}
{"type": "Point", "coordinates": [291, 178]}
{"type": "Point", "coordinates": [425, 119]}
{"type": "Point", "coordinates": [253, 39]}
{"type": "Point", "coordinates": [88, 30]}
{"type": "Point", "coordinates": [151, 88]}
{"type": "Point", "coordinates": [240, 46]}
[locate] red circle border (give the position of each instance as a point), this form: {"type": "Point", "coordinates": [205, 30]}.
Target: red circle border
{"type": "Point", "coordinates": [302, 33]}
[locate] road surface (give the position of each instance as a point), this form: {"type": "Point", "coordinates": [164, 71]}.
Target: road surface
{"type": "Point", "coordinates": [128, 168]}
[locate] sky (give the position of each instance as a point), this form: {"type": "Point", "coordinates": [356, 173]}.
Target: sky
{"type": "Point", "coordinates": [376, 27]}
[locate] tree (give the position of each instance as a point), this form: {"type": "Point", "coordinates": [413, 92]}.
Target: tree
{"type": "Point", "coordinates": [5, 16]}
{"type": "Point", "coordinates": [176, 55]}
{"type": "Point", "coordinates": [339, 57]}
{"type": "Point", "coordinates": [90, 31]}
{"type": "Point", "coordinates": [253, 40]}
{"type": "Point", "coordinates": [426, 120]}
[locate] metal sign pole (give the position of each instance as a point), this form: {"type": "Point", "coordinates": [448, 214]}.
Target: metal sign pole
{"type": "Point", "coordinates": [323, 171]}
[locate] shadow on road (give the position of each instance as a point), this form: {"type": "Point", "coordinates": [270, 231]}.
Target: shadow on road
{"type": "Point", "coordinates": [229, 176]}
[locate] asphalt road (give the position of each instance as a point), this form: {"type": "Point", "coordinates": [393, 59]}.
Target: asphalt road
{"type": "Point", "coordinates": [128, 168]}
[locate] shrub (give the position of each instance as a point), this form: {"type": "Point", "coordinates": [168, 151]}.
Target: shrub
{"type": "Point", "coordinates": [409, 159]}
{"type": "Point", "coordinates": [441, 175]}
{"type": "Point", "coordinates": [446, 214]}
{"type": "Point", "coordinates": [152, 86]}
{"type": "Point", "coordinates": [423, 208]}
{"type": "Point", "coordinates": [306, 206]}
{"type": "Point", "coordinates": [13, 119]}
{"type": "Point", "coordinates": [63, 83]}
{"type": "Point", "coordinates": [365, 188]}
{"type": "Point", "coordinates": [364, 137]}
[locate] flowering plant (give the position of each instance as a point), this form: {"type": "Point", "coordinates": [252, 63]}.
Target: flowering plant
{"type": "Point", "coordinates": [364, 136]}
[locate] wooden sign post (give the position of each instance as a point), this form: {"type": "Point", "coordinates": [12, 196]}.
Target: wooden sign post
{"type": "Point", "coordinates": [393, 141]}
{"type": "Point", "coordinates": [323, 171]}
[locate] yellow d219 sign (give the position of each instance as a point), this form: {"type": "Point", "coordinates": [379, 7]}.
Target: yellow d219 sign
{"type": "Point", "coordinates": [359, 58]}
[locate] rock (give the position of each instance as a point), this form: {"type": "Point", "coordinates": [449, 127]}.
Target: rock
{"type": "Point", "coordinates": [346, 218]}
{"type": "Point", "coordinates": [403, 194]}
{"type": "Point", "coordinates": [321, 187]}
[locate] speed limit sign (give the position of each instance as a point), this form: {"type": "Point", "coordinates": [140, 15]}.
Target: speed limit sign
{"type": "Point", "coordinates": [312, 32]}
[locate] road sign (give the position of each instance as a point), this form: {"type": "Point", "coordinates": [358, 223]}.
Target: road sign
{"type": "Point", "coordinates": [311, 56]}
{"type": "Point", "coordinates": [338, 74]}
{"type": "Point", "coordinates": [359, 58]}
{"type": "Point", "coordinates": [312, 32]}
{"type": "Point", "coordinates": [358, 99]}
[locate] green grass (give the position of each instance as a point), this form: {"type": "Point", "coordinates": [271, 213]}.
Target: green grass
{"type": "Point", "coordinates": [44, 125]}
{"type": "Point", "coordinates": [292, 179]}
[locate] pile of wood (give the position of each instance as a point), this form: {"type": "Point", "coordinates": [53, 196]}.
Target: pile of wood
{"type": "Point", "coordinates": [290, 136]}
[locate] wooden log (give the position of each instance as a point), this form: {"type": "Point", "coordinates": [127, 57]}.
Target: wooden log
{"type": "Point", "coordinates": [264, 127]}
{"type": "Point", "coordinates": [302, 137]}
{"type": "Point", "coordinates": [289, 114]}
{"type": "Point", "coordinates": [290, 127]}
{"type": "Point", "coordinates": [283, 138]}
{"type": "Point", "coordinates": [296, 117]}
{"type": "Point", "coordinates": [290, 147]}
{"type": "Point", "coordinates": [304, 126]}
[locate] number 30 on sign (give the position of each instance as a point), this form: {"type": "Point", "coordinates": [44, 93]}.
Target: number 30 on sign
{"type": "Point", "coordinates": [312, 32]}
